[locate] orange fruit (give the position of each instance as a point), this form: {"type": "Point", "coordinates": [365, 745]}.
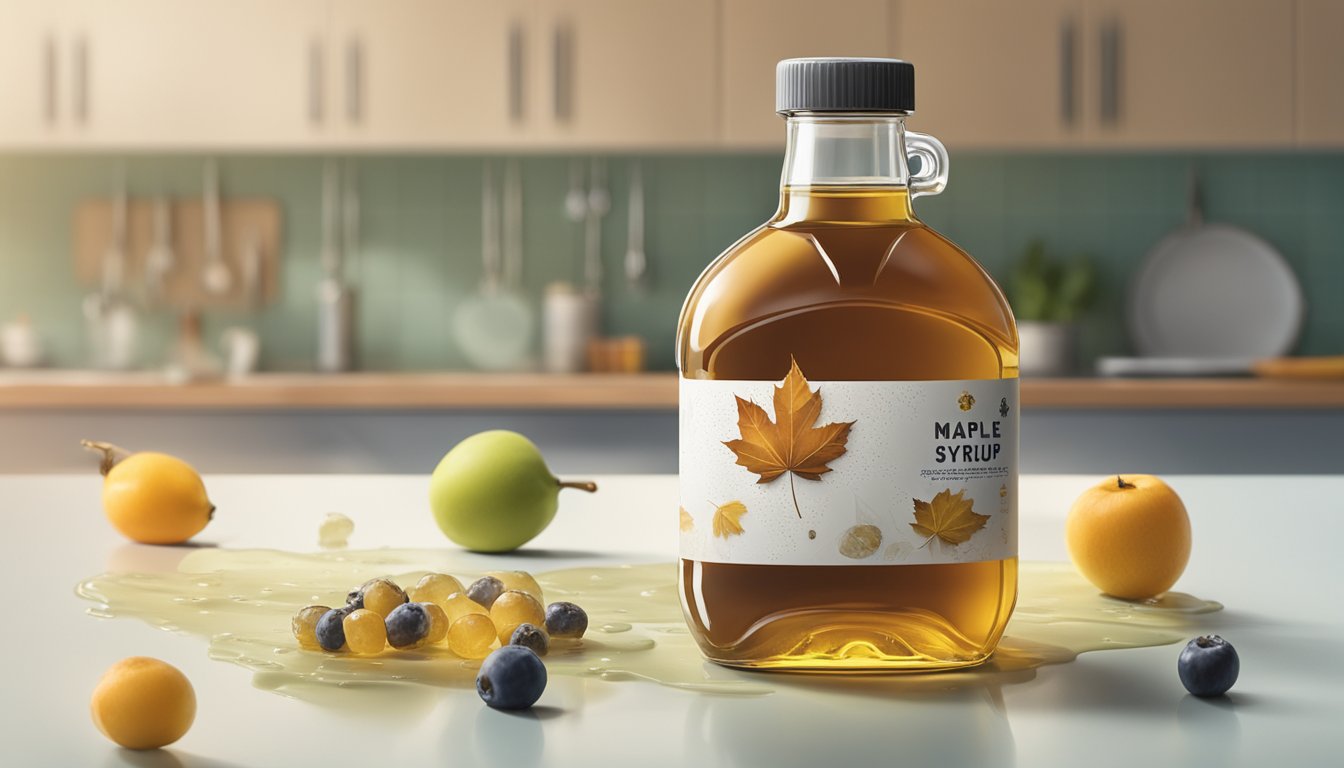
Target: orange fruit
{"type": "Point", "coordinates": [154, 498]}
{"type": "Point", "coordinates": [143, 703]}
{"type": "Point", "coordinates": [1130, 536]}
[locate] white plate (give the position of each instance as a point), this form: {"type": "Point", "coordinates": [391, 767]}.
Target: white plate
{"type": "Point", "coordinates": [1215, 291]}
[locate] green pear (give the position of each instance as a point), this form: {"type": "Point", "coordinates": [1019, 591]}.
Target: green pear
{"type": "Point", "coordinates": [494, 493]}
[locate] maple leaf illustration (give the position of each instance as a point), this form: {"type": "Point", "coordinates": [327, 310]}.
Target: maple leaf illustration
{"type": "Point", "coordinates": [950, 517]}
{"type": "Point", "coordinates": [728, 519]}
{"type": "Point", "coordinates": [687, 522]}
{"type": "Point", "coordinates": [790, 444]}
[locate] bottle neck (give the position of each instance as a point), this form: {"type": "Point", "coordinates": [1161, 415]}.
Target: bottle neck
{"type": "Point", "coordinates": [845, 167]}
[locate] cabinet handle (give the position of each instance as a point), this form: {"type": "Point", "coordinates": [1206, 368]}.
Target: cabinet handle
{"type": "Point", "coordinates": [1068, 73]}
{"type": "Point", "coordinates": [316, 105]}
{"type": "Point", "coordinates": [1110, 72]}
{"type": "Point", "coordinates": [516, 72]}
{"type": "Point", "coordinates": [564, 72]}
{"type": "Point", "coordinates": [49, 99]}
{"type": "Point", "coordinates": [80, 85]}
{"type": "Point", "coordinates": [354, 81]}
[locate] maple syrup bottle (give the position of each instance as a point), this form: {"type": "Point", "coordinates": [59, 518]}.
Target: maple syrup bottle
{"type": "Point", "coordinates": [848, 411]}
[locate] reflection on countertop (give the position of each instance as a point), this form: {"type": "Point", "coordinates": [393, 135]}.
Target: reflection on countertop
{"type": "Point", "coordinates": [92, 390]}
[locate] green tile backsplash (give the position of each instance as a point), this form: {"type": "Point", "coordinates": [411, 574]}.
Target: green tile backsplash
{"type": "Point", "coordinates": [421, 235]}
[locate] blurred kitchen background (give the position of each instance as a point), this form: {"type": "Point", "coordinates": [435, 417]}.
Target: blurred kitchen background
{"type": "Point", "coordinates": [339, 235]}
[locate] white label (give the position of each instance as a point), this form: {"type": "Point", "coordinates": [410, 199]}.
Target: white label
{"type": "Point", "coordinates": [848, 472]}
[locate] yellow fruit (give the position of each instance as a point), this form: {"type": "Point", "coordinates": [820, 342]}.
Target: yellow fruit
{"type": "Point", "coordinates": [365, 632]}
{"type": "Point", "coordinates": [438, 624]}
{"type": "Point", "coordinates": [459, 605]}
{"type": "Point", "coordinates": [472, 636]}
{"type": "Point", "coordinates": [514, 608]}
{"type": "Point", "coordinates": [519, 580]}
{"type": "Point", "coordinates": [434, 588]}
{"type": "Point", "coordinates": [1130, 536]}
{"type": "Point", "coordinates": [143, 703]}
{"type": "Point", "coordinates": [382, 595]}
{"type": "Point", "coordinates": [153, 498]}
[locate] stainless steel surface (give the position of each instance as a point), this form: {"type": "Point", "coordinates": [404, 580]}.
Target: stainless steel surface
{"type": "Point", "coordinates": [512, 250]}
{"type": "Point", "coordinates": [216, 276]}
{"type": "Point", "coordinates": [354, 81]}
{"type": "Point", "coordinates": [335, 301]}
{"type": "Point", "coordinates": [576, 199]}
{"type": "Point", "coordinates": [494, 325]}
{"type": "Point", "coordinates": [599, 203]}
{"type": "Point", "coordinates": [159, 259]}
{"type": "Point", "coordinates": [516, 62]}
{"type": "Point", "coordinates": [636, 263]}
{"type": "Point", "coordinates": [1110, 72]}
{"type": "Point", "coordinates": [563, 47]}
{"type": "Point", "coordinates": [1068, 72]}
{"type": "Point", "coordinates": [50, 100]}
{"type": "Point", "coordinates": [1214, 291]}
{"type": "Point", "coordinates": [316, 76]}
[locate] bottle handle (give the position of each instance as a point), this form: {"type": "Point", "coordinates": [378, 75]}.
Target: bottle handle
{"type": "Point", "coordinates": [933, 160]}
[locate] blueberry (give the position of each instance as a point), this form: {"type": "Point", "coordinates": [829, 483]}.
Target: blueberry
{"type": "Point", "coordinates": [485, 590]}
{"type": "Point", "coordinates": [407, 625]}
{"type": "Point", "coordinates": [566, 620]}
{"type": "Point", "coordinates": [1208, 666]}
{"type": "Point", "coordinates": [330, 629]}
{"type": "Point", "coordinates": [529, 636]}
{"type": "Point", "coordinates": [511, 677]}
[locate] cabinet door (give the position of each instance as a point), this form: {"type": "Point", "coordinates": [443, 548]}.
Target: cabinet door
{"type": "Point", "coordinates": [1320, 70]}
{"type": "Point", "coordinates": [758, 33]}
{"type": "Point", "coordinates": [30, 49]}
{"type": "Point", "coordinates": [626, 73]}
{"type": "Point", "coordinates": [429, 73]}
{"type": "Point", "coordinates": [1196, 73]}
{"type": "Point", "coordinates": [995, 74]}
{"type": "Point", "coordinates": [201, 73]}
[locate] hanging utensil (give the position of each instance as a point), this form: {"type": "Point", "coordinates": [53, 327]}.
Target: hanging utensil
{"type": "Point", "coordinates": [599, 203]}
{"type": "Point", "coordinates": [215, 274]}
{"type": "Point", "coordinates": [636, 264]}
{"type": "Point", "coordinates": [576, 199]}
{"type": "Point", "coordinates": [112, 324]}
{"type": "Point", "coordinates": [494, 325]}
{"type": "Point", "coordinates": [159, 259]}
{"type": "Point", "coordinates": [335, 304]}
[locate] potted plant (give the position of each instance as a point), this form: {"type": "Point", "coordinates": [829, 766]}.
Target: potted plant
{"type": "Point", "coordinates": [1047, 297]}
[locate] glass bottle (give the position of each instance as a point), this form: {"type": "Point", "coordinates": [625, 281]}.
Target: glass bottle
{"type": "Point", "coordinates": [848, 408]}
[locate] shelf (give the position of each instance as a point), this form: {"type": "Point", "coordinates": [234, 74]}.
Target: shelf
{"type": "Point", "coordinates": [78, 390]}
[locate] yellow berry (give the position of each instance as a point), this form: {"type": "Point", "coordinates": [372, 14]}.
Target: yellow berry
{"type": "Point", "coordinates": [514, 608]}
{"type": "Point", "coordinates": [438, 624]}
{"type": "Point", "coordinates": [143, 703]}
{"type": "Point", "coordinates": [459, 605]}
{"type": "Point", "coordinates": [472, 636]}
{"type": "Point", "coordinates": [521, 581]}
{"type": "Point", "coordinates": [381, 596]}
{"type": "Point", "coordinates": [365, 632]}
{"type": "Point", "coordinates": [154, 498]}
{"type": "Point", "coordinates": [434, 588]}
{"type": "Point", "coordinates": [304, 626]}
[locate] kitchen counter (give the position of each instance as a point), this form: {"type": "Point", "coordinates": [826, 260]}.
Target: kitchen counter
{"type": "Point", "coordinates": [534, 391]}
{"type": "Point", "coordinates": [1264, 546]}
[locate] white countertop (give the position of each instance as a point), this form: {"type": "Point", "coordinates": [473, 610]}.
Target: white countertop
{"type": "Point", "coordinates": [1266, 547]}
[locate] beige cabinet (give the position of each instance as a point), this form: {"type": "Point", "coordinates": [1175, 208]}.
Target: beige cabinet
{"type": "Point", "coordinates": [1319, 95]}
{"type": "Point", "coordinates": [36, 54]}
{"type": "Point", "coordinates": [165, 74]}
{"type": "Point", "coordinates": [1196, 73]}
{"type": "Point", "coordinates": [1101, 73]}
{"type": "Point", "coordinates": [428, 73]}
{"type": "Point", "coordinates": [995, 74]}
{"type": "Point", "coordinates": [626, 73]}
{"type": "Point", "coordinates": [756, 34]}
